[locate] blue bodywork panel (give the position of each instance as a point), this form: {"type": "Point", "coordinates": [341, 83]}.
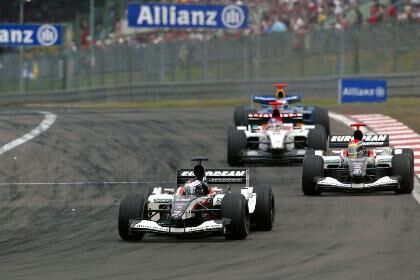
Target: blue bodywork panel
{"type": "Point", "coordinates": [264, 107]}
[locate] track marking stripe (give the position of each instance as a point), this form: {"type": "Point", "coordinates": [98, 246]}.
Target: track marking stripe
{"type": "Point", "coordinates": [377, 118]}
{"type": "Point", "coordinates": [408, 146]}
{"type": "Point", "coordinates": [42, 127]}
{"type": "Point", "coordinates": [367, 115]}
{"type": "Point", "coordinates": [392, 130]}
{"type": "Point", "coordinates": [400, 132]}
{"type": "Point", "coordinates": [404, 136]}
{"type": "Point", "coordinates": [412, 141]}
{"type": "Point", "coordinates": [398, 124]}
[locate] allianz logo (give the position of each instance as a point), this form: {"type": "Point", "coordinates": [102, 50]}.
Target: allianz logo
{"type": "Point", "coordinates": [354, 91]}
{"type": "Point", "coordinates": [47, 35]}
{"type": "Point", "coordinates": [232, 16]}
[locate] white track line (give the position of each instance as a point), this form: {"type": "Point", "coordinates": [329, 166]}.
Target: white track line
{"type": "Point", "coordinates": [48, 121]}
{"type": "Point", "coordinates": [397, 142]}
{"type": "Point", "coordinates": [385, 122]}
{"type": "Point", "coordinates": [43, 126]}
{"type": "Point", "coordinates": [347, 121]}
{"type": "Point", "coordinates": [404, 136]}
{"type": "Point", "coordinates": [393, 130]}
{"type": "Point", "coordinates": [367, 115]}
{"type": "Point", "coordinates": [408, 146]}
{"type": "Point", "coordinates": [398, 124]}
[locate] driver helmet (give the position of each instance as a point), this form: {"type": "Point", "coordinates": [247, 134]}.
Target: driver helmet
{"type": "Point", "coordinates": [194, 187]}
{"type": "Point", "coordinates": [274, 124]}
{"type": "Point", "coordinates": [356, 149]}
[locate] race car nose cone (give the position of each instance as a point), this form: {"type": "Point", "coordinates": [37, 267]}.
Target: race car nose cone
{"type": "Point", "coordinates": [357, 179]}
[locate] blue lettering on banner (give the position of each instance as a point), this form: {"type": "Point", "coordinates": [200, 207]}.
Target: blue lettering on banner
{"type": "Point", "coordinates": [46, 35]}
{"type": "Point", "coordinates": [356, 90]}
{"type": "Point", "coordinates": [187, 16]}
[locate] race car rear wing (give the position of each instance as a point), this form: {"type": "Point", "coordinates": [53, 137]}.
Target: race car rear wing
{"type": "Point", "coordinates": [370, 141]}
{"type": "Point", "coordinates": [216, 176]}
{"type": "Point", "coordinates": [266, 99]}
{"type": "Point", "coordinates": [262, 118]}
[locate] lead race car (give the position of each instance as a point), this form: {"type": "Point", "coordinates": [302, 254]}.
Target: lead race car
{"type": "Point", "coordinates": [196, 207]}
{"type": "Point", "coordinates": [273, 138]}
{"type": "Point", "coordinates": [310, 114]}
{"type": "Point", "coordinates": [358, 163]}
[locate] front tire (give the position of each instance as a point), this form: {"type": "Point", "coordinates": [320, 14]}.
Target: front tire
{"type": "Point", "coordinates": [234, 207]}
{"type": "Point", "coordinates": [401, 166]}
{"type": "Point", "coordinates": [317, 138]}
{"type": "Point", "coordinates": [236, 144]}
{"type": "Point", "coordinates": [132, 206]}
{"type": "Point", "coordinates": [313, 167]}
{"type": "Point", "coordinates": [264, 214]}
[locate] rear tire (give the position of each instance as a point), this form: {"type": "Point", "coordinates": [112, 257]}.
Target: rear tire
{"type": "Point", "coordinates": [317, 138]}
{"type": "Point", "coordinates": [240, 116]}
{"type": "Point", "coordinates": [132, 206]}
{"type": "Point", "coordinates": [264, 214]}
{"type": "Point", "coordinates": [234, 207]}
{"type": "Point", "coordinates": [313, 167]}
{"type": "Point", "coordinates": [320, 116]}
{"type": "Point", "coordinates": [401, 166]}
{"type": "Point", "coordinates": [236, 144]}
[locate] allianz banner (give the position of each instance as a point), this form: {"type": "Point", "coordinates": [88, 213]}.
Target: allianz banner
{"type": "Point", "coordinates": [360, 90]}
{"type": "Point", "coordinates": [187, 16]}
{"type": "Point", "coordinates": [13, 35]}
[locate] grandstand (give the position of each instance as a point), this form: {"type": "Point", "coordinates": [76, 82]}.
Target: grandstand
{"type": "Point", "coordinates": [286, 38]}
{"type": "Point", "coordinates": [296, 16]}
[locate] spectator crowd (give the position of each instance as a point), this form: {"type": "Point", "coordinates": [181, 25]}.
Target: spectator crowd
{"type": "Point", "coordinates": [266, 16]}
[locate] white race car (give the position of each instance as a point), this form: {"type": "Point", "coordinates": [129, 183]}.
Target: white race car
{"type": "Point", "coordinates": [196, 206]}
{"type": "Point", "coordinates": [271, 138]}
{"type": "Point", "coordinates": [358, 163]}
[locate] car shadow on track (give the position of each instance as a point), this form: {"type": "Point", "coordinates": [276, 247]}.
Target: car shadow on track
{"type": "Point", "coordinates": [361, 194]}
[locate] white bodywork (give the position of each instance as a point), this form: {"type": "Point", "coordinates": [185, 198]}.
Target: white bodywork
{"type": "Point", "coordinates": [382, 157]}
{"type": "Point", "coordinates": [161, 196]}
{"type": "Point", "coordinates": [281, 139]}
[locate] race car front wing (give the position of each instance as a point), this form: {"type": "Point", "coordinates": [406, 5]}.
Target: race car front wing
{"type": "Point", "coordinates": [152, 226]}
{"type": "Point", "coordinates": [387, 183]}
{"type": "Point", "coordinates": [259, 156]}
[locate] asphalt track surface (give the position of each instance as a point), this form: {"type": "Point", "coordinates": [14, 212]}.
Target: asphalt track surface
{"type": "Point", "coordinates": [340, 236]}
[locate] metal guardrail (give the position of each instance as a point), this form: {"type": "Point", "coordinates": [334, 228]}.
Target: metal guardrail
{"type": "Point", "coordinates": [401, 85]}
{"type": "Point", "coordinates": [386, 48]}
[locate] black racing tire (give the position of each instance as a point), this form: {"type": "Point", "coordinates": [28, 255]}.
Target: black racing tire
{"type": "Point", "coordinates": [236, 144]}
{"type": "Point", "coordinates": [313, 167]}
{"type": "Point", "coordinates": [320, 116]}
{"type": "Point", "coordinates": [234, 207]}
{"type": "Point", "coordinates": [240, 115]}
{"type": "Point", "coordinates": [401, 166]}
{"type": "Point", "coordinates": [132, 206]}
{"type": "Point", "coordinates": [317, 138]}
{"type": "Point", "coordinates": [410, 154]}
{"type": "Point", "coordinates": [265, 212]}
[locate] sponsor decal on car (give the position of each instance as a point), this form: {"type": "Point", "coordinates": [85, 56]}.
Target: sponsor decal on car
{"type": "Point", "coordinates": [225, 173]}
{"type": "Point", "coordinates": [366, 138]}
{"type": "Point", "coordinates": [162, 200]}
